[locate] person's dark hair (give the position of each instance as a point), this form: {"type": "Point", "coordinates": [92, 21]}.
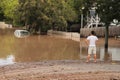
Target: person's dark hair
{"type": "Point", "coordinates": [93, 32]}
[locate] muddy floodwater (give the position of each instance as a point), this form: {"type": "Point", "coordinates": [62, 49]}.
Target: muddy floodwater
{"type": "Point", "coordinates": [36, 48]}
{"type": "Point", "coordinates": [43, 47]}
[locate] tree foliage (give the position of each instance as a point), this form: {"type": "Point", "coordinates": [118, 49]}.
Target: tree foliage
{"type": "Point", "coordinates": [9, 7]}
{"type": "Point", "coordinates": [56, 13]}
{"type": "Point", "coordinates": [46, 13]}
{"type": "Point", "coordinates": [109, 10]}
{"type": "Point", "coordinates": [1, 14]}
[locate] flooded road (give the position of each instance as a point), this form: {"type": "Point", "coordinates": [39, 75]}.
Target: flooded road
{"type": "Point", "coordinates": [39, 48]}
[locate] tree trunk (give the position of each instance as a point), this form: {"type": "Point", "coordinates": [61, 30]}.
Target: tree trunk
{"type": "Point", "coordinates": [106, 36]}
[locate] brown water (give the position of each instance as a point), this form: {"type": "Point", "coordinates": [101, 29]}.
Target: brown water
{"type": "Point", "coordinates": [36, 48]}
{"type": "Point", "coordinates": [39, 48]}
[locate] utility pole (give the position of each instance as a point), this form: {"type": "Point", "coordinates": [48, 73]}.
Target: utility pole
{"type": "Point", "coordinates": [81, 28]}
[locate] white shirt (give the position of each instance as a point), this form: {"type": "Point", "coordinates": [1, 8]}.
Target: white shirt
{"type": "Point", "coordinates": [92, 39]}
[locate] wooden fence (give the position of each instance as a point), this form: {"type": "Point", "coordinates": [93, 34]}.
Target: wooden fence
{"type": "Point", "coordinates": [100, 31]}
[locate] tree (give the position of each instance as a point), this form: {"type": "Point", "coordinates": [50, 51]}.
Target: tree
{"type": "Point", "coordinates": [108, 10]}
{"type": "Point", "coordinates": [83, 7]}
{"type": "Point", "coordinates": [45, 13]}
{"type": "Point", "coordinates": [9, 7]}
{"type": "Point", "coordinates": [1, 14]}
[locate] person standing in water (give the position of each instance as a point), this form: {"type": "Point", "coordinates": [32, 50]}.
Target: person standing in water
{"type": "Point", "coordinates": [91, 42]}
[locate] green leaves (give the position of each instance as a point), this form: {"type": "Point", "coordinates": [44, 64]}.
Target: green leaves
{"type": "Point", "coordinates": [9, 6]}
{"type": "Point", "coordinates": [109, 10]}
{"type": "Point", "coordinates": [47, 12]}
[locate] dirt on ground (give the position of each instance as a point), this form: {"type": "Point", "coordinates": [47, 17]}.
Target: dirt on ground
{"type": "Point", "coordinates": [64, 69]}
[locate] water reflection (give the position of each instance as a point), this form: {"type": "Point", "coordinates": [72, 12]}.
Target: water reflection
{"type": "Point", "coordinates": [8, 60]}
{"type": "Point", "coordinates": [113, 54]}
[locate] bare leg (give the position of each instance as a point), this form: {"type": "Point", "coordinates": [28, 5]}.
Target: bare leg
{"type": "Point", "coordinates": [88, 58]}
{"type": "Point", "coordinates": [94, 57]}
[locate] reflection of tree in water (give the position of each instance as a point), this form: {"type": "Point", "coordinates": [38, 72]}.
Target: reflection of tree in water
{"type": "Point", "coordinates": [107, 55]}
{"type": "Point", "coordinates": [36, 48]}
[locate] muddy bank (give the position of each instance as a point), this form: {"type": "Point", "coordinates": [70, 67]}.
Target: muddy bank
{"type": "Point", "coordinates": [61, 70]}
